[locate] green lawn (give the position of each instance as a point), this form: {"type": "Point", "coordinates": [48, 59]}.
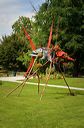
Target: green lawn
{"type": "Point", "coordinates": [73, 82]}
{"type": "Point", "coordinates": [57, 109]}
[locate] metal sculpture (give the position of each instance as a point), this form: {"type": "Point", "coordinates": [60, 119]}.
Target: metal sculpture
{"type": "Point", "coordinates": [52, 55]}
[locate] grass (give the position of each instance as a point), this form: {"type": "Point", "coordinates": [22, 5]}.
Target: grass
{"type": "Point", "coordinates": [73, 82]}
{"type": "Point", "coordinates": [57, 109]}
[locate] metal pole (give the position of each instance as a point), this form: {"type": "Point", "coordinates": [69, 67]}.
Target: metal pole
{"type": "Point", "coordinates": [24, 81]}
{"type": "Point", "coordinates": [65, 81]}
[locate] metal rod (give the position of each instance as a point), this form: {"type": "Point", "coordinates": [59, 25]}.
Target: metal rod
{"type": "Point", "coordinates": [28, 76]}
{"type": "Point", "coordinates": [38, 82]}
{"type": "Point", "coordinates": [65, 80]}
{"type": "Point", "coordinates": [47, 79]}
{"type": "Point", "coordinates": [24, 81]}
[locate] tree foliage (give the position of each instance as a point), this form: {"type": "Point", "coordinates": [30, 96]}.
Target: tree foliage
{"type": "Point", "coordinates": [9, 52]}
{"type": "Point", "coordinates": [69, 30]}
{"type": "Point", "coordinates": [22, 22]}
{"type": "Point", "coordinates": [18, 26]}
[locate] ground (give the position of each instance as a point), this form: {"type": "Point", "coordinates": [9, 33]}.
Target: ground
{"type": "Point", "coordinates": [57, 109]}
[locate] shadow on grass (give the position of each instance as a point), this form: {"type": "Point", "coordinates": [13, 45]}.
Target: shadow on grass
{"type": "Point", "coordinates": [0, 83]}
{"type": "Point", "coordinates": [79, 92]}
{"type": "Point", "coordinates": [63, 94]}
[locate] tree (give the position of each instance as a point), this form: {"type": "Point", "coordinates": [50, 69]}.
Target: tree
{"type": "Point", "coordinates": [18, 30]}
{"type": "Point", "coordinates": [74, 34]}
{"type": "Point", "coordinates": [70, 30]}
{"type": "Point", "coordinates": [9, 49]}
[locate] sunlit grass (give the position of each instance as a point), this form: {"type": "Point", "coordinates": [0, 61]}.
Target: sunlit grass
{"type": "Point", "coordinates": [57, 109]}
{"type": "Point", "coordinates": [74, 82]}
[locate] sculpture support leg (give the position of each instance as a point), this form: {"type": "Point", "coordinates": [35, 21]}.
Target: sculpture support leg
{"type": "Point", "coordinates": [47, 79]}
{"type": "Point", "coordinates": [66, 81]}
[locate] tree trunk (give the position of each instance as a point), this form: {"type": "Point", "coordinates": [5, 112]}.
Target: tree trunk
{"type": "Point", "coordinates": [76, 69]}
